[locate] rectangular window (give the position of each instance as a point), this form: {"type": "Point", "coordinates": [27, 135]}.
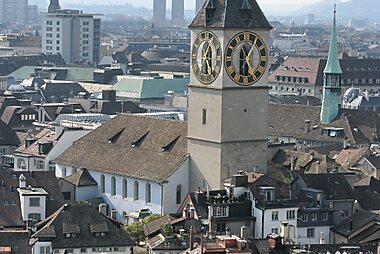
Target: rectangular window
{"type": "Point", "coordinates": [66, 195]}
{"type": "Point", "coordinates": [274, 215]}
{"type": "Point", "coordinates": [275, 231]}
{"type": "Point", "coordinates": [314, 217]}
{"type": "Point", "coordinates": [34, 216]}
{"type": "Point", "coordinates": [325, 216]}
{"type": "Point", "coordinates": [34, 202]}
{"type": "Point", "coordinates": [220, 211]}
{"type": "Point", "coordinates": [204, 116]}
{"type": "Point", "coordinates": [344, 213]}
{"type": "Point", "coordinates": [221, 227]}
{"type": "Point", "coordinates": [3, 151]}
{"type": "Point", "coordinates": [83, 250]}
{"type": "Point", "coordinates": [310, 233]}
{"type": "Point", "coordinates": [304, 217]}
{"type": "Point", "coordinates": [290, 214]}
{"type": "Point", "coordinates": [40, 164]}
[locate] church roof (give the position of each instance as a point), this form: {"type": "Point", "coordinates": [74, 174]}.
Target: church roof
{"type": "Point", "coordinates": [134, 146]}
{"type": "Point", "coordinates": [230, 14]}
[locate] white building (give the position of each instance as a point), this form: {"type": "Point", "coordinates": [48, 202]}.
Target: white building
{"type": "Point", "coordinates": [37, 153]}
{"type": "Point", "coordinates": [137, 162]}
{"type": "Point", "coordinates": [275, 216]}
{"type": "Point", "coordinates": [73, 34]}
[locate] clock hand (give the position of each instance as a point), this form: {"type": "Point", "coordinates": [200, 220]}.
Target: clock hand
{"type": "Point", "coordinates": [207, 50]}
{"type": "Point", "coordinates": [250, 52]}
{"type": "Point", "coordinates": [208, 66]}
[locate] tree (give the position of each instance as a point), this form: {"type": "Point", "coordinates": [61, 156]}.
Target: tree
{"type": "Point", "coordinates": [136, 230]}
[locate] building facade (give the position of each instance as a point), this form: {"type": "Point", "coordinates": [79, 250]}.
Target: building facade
{"type": "Point", "coordinates": [18, 11]}
{"type": "Point", "coordinates": [72, 34]}
{"type": "Point", "coordinates": [178, 12]}
{"type": "Point", "coordinates": [159, 12]}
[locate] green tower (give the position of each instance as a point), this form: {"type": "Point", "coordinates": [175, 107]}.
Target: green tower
{"type": "Point", "coordinates": [332, 90]}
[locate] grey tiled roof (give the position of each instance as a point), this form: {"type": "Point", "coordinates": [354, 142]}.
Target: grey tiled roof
{"type": "Point", "coordinates": [359, 220]}
{"type": "Point", "coordinates": [228, 14]}
{"type": "Point", "coordinates": [334, 186]}
{"type": "Point", "coordinates": [360, 127]}
{"type": "Point", "coordinates": [134, 146]}
{"type": "Point", "coordinates": [80, 217]}
{"type": "Point", "coordinates": [155, 226]}
{"type": "Point", "coordinates": [81, 178]}
{"type": "Point", "coordinates": [17, 240]}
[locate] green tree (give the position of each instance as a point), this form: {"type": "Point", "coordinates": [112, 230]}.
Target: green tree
{"type": "Point", "coordinates": [136, 230]}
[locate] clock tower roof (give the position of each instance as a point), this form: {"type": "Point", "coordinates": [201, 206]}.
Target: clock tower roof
{"type": "Point", "coordinates": [230, 14]}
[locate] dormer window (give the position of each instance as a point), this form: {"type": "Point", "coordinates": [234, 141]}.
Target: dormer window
{"type": "Point", "coordinates": [71, 235]}
{"type": "Point", "coordinates": [100, 234]}
{"type": "Point", "coordinates": [333, 132]}
{"type": "Point", "coordinates": [99, 229]}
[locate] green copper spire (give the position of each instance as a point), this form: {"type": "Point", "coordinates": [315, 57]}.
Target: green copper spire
{"type": "Point", "coordinates": [333, 65]}
{"type": "Point", "coordinates": [332, 90]}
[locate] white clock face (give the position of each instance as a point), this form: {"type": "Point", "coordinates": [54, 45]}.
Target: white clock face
{"type": "Point", "coordinates": [206, 57]}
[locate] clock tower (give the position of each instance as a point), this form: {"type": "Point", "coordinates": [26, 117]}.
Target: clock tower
{"type": "Point", "coordinates": [228, 92]}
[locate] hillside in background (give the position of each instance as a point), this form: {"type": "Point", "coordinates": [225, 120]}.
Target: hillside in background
{"type": "Point", "coordinates": [357, 9]}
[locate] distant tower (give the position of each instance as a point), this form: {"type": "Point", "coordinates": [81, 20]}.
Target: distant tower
{"type": "Point", "coordinates": [54, 6]}
{"type": "Point", "coordinates": [178, 12]}
{"type": "Point", "coordinates": [198, 5]}
{"type": "Point", "coordinates": [332, 90]}
{"type": "Point", "coordinates": [159, 12]}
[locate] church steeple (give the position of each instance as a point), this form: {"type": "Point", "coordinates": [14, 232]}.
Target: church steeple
{"type": "Point", "coordinates": [333, 65]}
{"type": "Point", "coordinates": [332, 90]}
{"type": "Point", "coordinates": [53, 6]}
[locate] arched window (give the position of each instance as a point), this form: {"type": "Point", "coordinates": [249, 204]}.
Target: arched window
{"type": "Point", "coordinates": [148, 193]}
{"type": "Point", "coordinates": [136, 190]}
{"type": "Point", "coordinates": [179, 194]}
{"type": "Point", "coordinates": [113, 186]}
{"type": "Point", "coordinates": [125, 188]}
{"type": "Point", "coordinates": [102, 183]}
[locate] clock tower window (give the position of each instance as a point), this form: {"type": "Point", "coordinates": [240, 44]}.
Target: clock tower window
{"type": "Point", "coordinates": [204, 116]}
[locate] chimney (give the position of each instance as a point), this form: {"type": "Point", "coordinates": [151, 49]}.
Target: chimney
{"type": "Point", "coordinates": [292, 164]}
{"type": "Point", "coordinates": [366, 94]}
{"type": "Point", "coordinates": [346, 144]}
{"type": "Point", "coordinates": [103, 208]}
{"type": "Point", "coordinates": [322, 238]}
{"type": "Point", "coordinates": [22, 181]}
{"type": "Point", "coordinates": [243, 232]}
{"type": "Point", "coordinates": [191, 238]}
{"type": "Point", "coordinates": [307, 126]}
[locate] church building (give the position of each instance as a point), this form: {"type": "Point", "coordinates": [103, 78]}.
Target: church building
{"type": "Point", "coordinates": [145, 164]}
